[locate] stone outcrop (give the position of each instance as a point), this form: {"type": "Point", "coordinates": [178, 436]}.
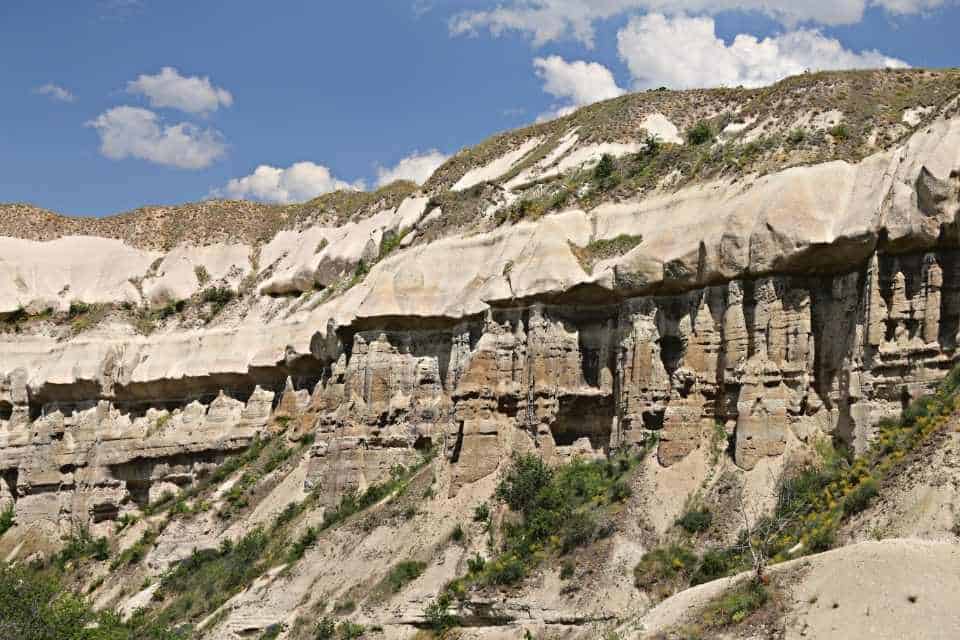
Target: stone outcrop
{"type": "Point", "coordinates": [810, 302]}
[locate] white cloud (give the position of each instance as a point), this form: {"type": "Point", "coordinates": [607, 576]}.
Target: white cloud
{"type": "Point", "coordinates": [55, 92]}
{"type": "Point", "coordinates": [910, 6]}
{"type": "Point", "coordinates": [127, 132]}
{"type": "Point", "coordinates": [547, 20]}
{"type": "Point", "coordinates": [684, 52]}
{"type": "Point", "coordinates": [579, 82]}
{"type": "Point", "coordinates": [299, 182]}
{"type": "Point", "coordinates": [417, 167]}
{"type": "Point", "coordinates": [192, 94]}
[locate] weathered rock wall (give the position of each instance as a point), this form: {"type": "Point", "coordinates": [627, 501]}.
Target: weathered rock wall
{"type": "Point", "coordinates": [765, 359]}
{"type": "Point", "coordinates": [810, 302]}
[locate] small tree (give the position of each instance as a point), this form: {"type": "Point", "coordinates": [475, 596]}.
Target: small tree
{"type": "Point", "coordinates": [700, 133]}
{"type": "Point", "coordinates": [527, 476]}
{"type": "Point", "coordinates": [604, 168]}
{"type": "Point", "coordinates": [760, 533]}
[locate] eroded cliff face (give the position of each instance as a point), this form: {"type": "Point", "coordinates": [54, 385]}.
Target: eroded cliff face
{"type": "Point", "coordinates": [810, 302]}
{"type": "Point", "coordinates": [766, 359]}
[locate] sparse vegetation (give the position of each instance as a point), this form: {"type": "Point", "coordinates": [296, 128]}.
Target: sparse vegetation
{"type": "Point", "coordinates": [404, 573]}
{"type": "Point", "coordinates": [390, 242]}
{"type": "Point", "coordinates": [209, 577]}
{"type": "Point", "coordinates": [796, 136]}
{"type": "Point", "coordinates": [481, 513]}
{"type": "Point", "coordinates": [560, 510]}
{"type": "Point", "coordinates": [83, 316]}
{"type": "Point", "coordinates": [81, 545]}
{"type": "Point", "coordinates": [203, 276]}
{"type": "Point", "coordinates": [352, 503]}
{"type": "Point", "coordinates": [812, 502]}
{"type": "Point", "coordinates": [700, 133]}
{"type": "Point", "coordinates": [734, 606]}
{"type": "Point", "coordinates": [306, 540]}
{"type": "Point", "coordinates": [665, 569]}
{"type": "Point", "coordinates": [137, 551]}
{"type": "Point", "coordinates": [840, 132]}
{"type": "Point", "coordinates": [217, 298]}
{"type": "Point", "coordinates": [696, 520]}
{"type": "Point", "coordinates": [605, 170]}
{"type": "Point", "coordinates": [7, 519]}
{"type": "Point", "coordinates": [35, 605]}
{"type": "Point", "coordinates": [438, 615]}
{"type": "Point", "coordinates": [604, 249]}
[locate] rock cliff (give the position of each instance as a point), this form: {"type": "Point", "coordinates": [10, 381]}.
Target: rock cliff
{"type": "Point", "coordinates": [810, 293]}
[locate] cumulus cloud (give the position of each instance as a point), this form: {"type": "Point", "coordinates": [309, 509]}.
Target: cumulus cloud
{"type": "Point", "coordinates": [55, 92]}
{"type": "Point", "coordinates": [417, 167]}
{"type": "Point", "coordinates": [299, 182]}
{"type": "Point", "coordinates": [579, 82]}
{"type": "Point", "coordinates": [902, 7]}
{"type": "Point", "coordinates": [547, 20]}
{"type": "Point", "coordinates": [683, 52]}
{"type": "Point", "coordinates": [192, 94]}
{"type": "Point", "coordinates": [132, 132]}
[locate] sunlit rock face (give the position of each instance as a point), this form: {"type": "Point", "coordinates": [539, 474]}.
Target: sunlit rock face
{"type": "Point", "coordinates": [809, 302]}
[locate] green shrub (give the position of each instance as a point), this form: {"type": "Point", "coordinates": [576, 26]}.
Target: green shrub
{"type": "Point", "coordinates": [736, 605]}
{"type": "Point", "coordinates": [665, 564]}
{"type": "Point", "coordinates": [36, 606]}
{"type": "Point", "coordinates": [604, 169]}
{"type": "Point", "coordinates": [7, 519]}
{"type": "Point", "coordinates": [507, 569]}
{"type": "Point", "coordinates": [136, 552]}
{"type": "Point", "coordinates": [700, 133]}
{"type": "Point", "coordinates": [717, 563]}
{"type": "Point", "coordinates": [325, 629]}
{"type": "Point", "coordinates": [476, 564]}
{"type": "Point", "coordinates": [840, 132]}
{"type": "Point", "coordinates": [272, 632]}
{"type": "Point", "coordinates": [78, 308]}
{"type": "Point", "coordinates": [404, 573]}
{"type": "Point", "coordinates": [390, 242]}
{"type": "Point", "coordinates": [350, 630]}
{"type": "Point", "coordinates": [438, 616]}
{"type": "Point", "coordinates": [696, 520]}
{"type": "Point", "coordinates": [579, 530]}
{"type": "Point", "coordinates": [217, 298]}
{"type": "Point", "coordinates": [796, 136]}
{"type": "Point", "coordinates": [288, 514]}
{"type": "Point", "coordinates": [306, 540]}
{"type": "Point", "coordinates": [171, 308]}
{"type": "Point", "coordinates": [527, 477]}
{"type": "Point", "coordinates": [457, 535]}
{"type": "Point", "coordinates": [82, 545]}
{"type": "Point", "coordinates": [559, 510]}
{"type": "Point", "coordinates": [620, 491]}
{"type": "Point", "coordinates": [203, 276]}
{"type": "Point", "coordinates": [481, 513]}
{"type": "Point", "coordinates": [209, 577]}
{"type": "Point", "coordinates": [859, 499]}
{"type": "Point", "coordinates": [567, 569]}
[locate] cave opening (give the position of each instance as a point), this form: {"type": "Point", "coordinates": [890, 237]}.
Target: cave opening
{"type": "Point", "coordinates": [588, 417]}
{"type": "Point", "coordinates": [672, 349]}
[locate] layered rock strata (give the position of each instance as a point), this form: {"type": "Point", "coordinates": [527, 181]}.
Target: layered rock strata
{"type": "Point", "coordinates": [807, 303]}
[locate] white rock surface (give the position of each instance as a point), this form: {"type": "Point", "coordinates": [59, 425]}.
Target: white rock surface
{"type": "Point", "coordinates": [497, 167]}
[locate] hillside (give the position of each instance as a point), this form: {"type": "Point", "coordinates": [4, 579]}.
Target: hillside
{"type": "Point", "coordinates": [571, 387]}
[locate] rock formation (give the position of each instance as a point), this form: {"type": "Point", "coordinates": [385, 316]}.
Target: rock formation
{"type": "Point", "coordinates": [810, 301]}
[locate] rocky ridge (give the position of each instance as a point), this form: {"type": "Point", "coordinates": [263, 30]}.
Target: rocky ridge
{"type": "Point", "coordinates": [807, 292]}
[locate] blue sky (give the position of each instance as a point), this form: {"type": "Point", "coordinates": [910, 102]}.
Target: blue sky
{"type": "Point", "coordinates": [107, 105]}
